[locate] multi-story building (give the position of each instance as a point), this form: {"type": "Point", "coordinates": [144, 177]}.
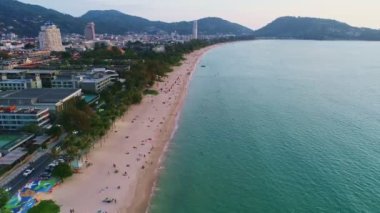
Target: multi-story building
{"type": "Point", "coordinates": [103, 71]}
{"type": "Point", "coordinates": [89, 31]}
{"type": "Point", "coordinates": [45, 76]}
{"type": "Point", "coordinates": [13, 118]}
{"type": "Point", "coordinates": [20, 84]}
{"type": "Point", "coordinates": [67, 82]}
{"type": "Point", "coordinates": [93, 81]}
{"type": "Point", "coordinates": [95, 85]}
{"type": "Point", "coordinates": [195, 29]}
{"type": "Point", "coordinates": [50, 38]}
{"type": "Point", "coordinates": [54, 99]}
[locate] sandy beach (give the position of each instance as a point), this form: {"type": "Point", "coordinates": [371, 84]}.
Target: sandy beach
{"type": "Point", "coordinates": [125, 164]}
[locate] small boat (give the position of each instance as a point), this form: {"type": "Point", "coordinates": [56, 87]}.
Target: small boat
{"type": "Point", "coordinates": [203, 66]}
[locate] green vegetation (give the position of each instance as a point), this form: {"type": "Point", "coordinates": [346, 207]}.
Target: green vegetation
{"type": "Point", "coordinates": [315, 29]}
{"type": "Point", "coordinates": [150, 92]}
{"type": "Point", "coordinates": [4, 197]}
{"type": "Point", "coordinates": [54, 131]}
{"type": "Point", "coordinates": [26, 20]}
{"type": "Point", "coordinates": [33, 129]}
{"type": "Point", "coordinates": [62, 171]}
{"type": "Point", "coordinates": [122, 23]}
{"type": "Point", "coordinates": [45, 206]}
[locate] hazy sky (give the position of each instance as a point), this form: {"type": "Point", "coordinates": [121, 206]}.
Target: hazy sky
{"type": "Point", "coordinates": [251, 13]}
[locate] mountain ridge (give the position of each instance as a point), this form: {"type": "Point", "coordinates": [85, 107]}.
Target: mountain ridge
{"type": "Point", "coordinates": [26, 19]}
{"type": "Point", "coordinates": [123, 23]}
{"type": "Point", "coordinates": [291, 27]}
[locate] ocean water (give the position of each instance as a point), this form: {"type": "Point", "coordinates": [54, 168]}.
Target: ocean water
{"type": "Point", "coordinates": [278, 126]}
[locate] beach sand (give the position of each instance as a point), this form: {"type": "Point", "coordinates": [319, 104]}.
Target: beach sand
{"type": "Point", "coordinates": [125, 164]}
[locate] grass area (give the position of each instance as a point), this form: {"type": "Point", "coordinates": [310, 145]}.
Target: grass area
{"type": "Point", "coordinates": [45, 206]}
{"type": "Point", "coordinates": [7, 138]}
{"type": "Point", "coordinates": [150, 92]}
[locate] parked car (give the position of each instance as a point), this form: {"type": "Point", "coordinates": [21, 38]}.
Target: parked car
{"type": "Point", "coordinates": [55, 163]}
{"type": "Point", "coordinates": [28, 172]}
{"type": "Point", "coordinates": [45, 175]}
{"type": "Point", "coordinates": [61, 160]}
{"type": "Point", "coordinates": [49, 168]}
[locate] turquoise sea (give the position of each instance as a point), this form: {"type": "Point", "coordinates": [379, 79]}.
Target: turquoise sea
{"type": "Point", "coordinates": [278, 126]}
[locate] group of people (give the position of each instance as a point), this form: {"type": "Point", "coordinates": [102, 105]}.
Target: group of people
{"type": "Point", "coordinates": [109, 200]}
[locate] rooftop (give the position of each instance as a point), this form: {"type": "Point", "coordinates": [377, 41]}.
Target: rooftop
{"type": "Point", "coordinates": [29, 71]}
{"type": "Point", "coordinates": [15, 81]}
{"type": "Point", "coordinates": [7, 110]}
{"type": "Point", "coordinates": [9, 141]}
{"type": "Point", "coordinates": [46, 95]}
{"type": "Point", "coordinates": [13, 156]}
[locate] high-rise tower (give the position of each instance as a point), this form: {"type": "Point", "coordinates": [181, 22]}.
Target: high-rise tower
{"type": "Point", "coordinates": [89, 31]}
{"type": "Point", "coordinates": [195, 29]}
{"type": "Point", "coordinates": [50, 38]}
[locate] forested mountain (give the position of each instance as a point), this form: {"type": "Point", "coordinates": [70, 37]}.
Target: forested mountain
{"type": "Point", "coordinates": [122, 23]}
{"type": "Point", "coordinates": [314, 28]}
{"type": "Point", "coordinates": [26, 19]}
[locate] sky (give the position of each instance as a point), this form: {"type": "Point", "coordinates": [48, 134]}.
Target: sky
{"type": "Point", "coordinates": [251, 13]}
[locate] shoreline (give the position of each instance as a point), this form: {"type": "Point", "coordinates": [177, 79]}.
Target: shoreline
{"type": "Point", "coordinates": [143, 204]}
{"type": "Point", "coordinates": [126, 165]}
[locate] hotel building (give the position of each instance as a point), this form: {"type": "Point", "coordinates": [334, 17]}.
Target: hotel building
{"type": "Point", "coordinates": [89, 31]}
{"type": "Point", "coordinates": [195, 29]}
{"type": "Point", "coordinates": [54, 99]}
{"type": "Point", "coordinates": [13, 118]}
{"type": "Point", "coordinates": [20, 84]}
{"type": "Point", "coordinates": [50, 38]}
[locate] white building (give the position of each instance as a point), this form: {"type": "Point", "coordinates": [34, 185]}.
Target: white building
{"type": "Point", "coordinates": [50, 38]}
{"type": "Point", "coordinates": [195, 29]}
{"type": "Point", "coordinates": [89, 31]}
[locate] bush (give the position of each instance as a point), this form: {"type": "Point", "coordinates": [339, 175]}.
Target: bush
{"type": "Point", "coordinates": [45, 206]}
{"type": "Point", "coordinates": [44, 146]}
{"type": "Point", "coordinates": [150, 92]}
{"type": "Point", "coordinates": [33, 129]}
{"type": "Point", "coordinates": [62, 171]}
{"type": "Point", "coordinates": [55, 131]}
{"type": "Point", "coordinates": [4, 196]}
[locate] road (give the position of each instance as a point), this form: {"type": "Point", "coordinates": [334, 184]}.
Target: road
{"type": "Point", "coordinates": [39, 165]}
{"type": "Point", "coordinates": [16, 180]}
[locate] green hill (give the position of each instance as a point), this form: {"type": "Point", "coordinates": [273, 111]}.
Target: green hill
{"type": "Point", "coordinates": [26, 19]}
{"type": "Point", "coordinates": [122, 23]}
{"type": "Point", "coordinates": [315, 28]}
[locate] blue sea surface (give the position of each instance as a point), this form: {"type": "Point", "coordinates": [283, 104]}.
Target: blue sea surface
{"type": "Point", "coordinates": [278, 126]}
